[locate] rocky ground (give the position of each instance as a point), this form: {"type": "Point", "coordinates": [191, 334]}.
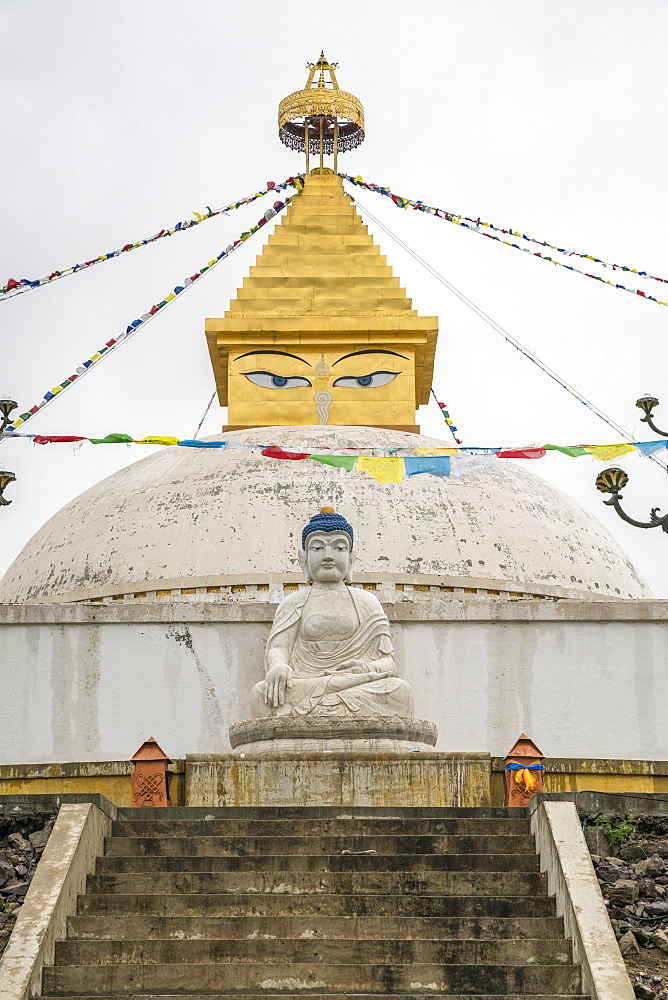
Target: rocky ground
{"type": "Point", "coordinates": [22, 842]}
{"type": "Point", "coordinates": [633, 876]}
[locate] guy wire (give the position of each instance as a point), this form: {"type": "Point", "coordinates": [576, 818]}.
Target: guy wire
{"type": "Point", "coordinates": [204, 415]}
{"type": "Point", "coordinates": [507, 336]}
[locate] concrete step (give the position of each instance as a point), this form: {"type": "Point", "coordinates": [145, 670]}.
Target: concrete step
{"type": "Point", "coordinates": [290, 951]}
{"type": "Point", "coordinates": [323, 812]}
{"type": "Point", "coordinates": [325, 904]}
{"type": "Point", "coordinates": [320, 827]}
{"type": "Point", "coordinates": [342, 862]}
{"type": "Point", "coordinates": [289, 883]}
{"type": "Point", "coordinates": [263, 902]}
{"type": "Point", "coordinates": [239, 846]}
{"type": "Point", "coordinates": [413, 995]}
{"type": "Point", "coordinates": [131, 927]}
{"type": "Point", "coordinates": [317, 976]}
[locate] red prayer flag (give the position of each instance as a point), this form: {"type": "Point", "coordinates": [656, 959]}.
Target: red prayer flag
{"type": "Point", "coordinates": [276, 452]}
{"type": "Point", "coordinates": [522, 453]}
{"type": "Point", "coordinates": [56, 438]}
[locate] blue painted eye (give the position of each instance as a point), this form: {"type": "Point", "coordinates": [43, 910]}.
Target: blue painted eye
{"type": "Point", "coordinates": [270, 381]}
{"type": "Point", "coordinates": [373, 381]}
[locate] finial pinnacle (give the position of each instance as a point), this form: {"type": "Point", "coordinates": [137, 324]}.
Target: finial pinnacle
{"type": "Point", "coordinates": [321, 118]}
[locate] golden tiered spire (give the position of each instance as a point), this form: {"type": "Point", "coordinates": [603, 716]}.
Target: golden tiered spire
{"type": "Point", "coordinates": [321, 331]}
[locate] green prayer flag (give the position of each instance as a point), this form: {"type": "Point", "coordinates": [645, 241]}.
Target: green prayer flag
{"type": "Point", "coordinates": [338, 461]}
{"type": "Point", "coordinates": [573, 452]}
{"type": "Point", "coordinates": [113, 439]}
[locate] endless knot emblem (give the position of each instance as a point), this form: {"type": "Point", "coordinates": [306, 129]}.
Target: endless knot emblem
{"type": "Point", "coordinates": [149, 787]}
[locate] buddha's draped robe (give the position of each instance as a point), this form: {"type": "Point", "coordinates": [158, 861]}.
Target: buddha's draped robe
{"type": "Point", "coordinates": [311, 691]}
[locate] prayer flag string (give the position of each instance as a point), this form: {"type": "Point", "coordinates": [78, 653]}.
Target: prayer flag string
{"type": "Point", "coordinates": [384, 465]}
{"type": "Point", "coordinates": [17, 287]}
{"type": "Point", "coordinates": [146, 317]}
{"type": "Point", "coordinates": [509, 338]}
{"type": "Point", "coordinates": [477, 226]}
{"type": "Point", "coordinates": [446, 416]}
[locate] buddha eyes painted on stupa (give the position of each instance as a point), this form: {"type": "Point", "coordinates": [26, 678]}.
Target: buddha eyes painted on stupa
{"type": "Point", "coordinates": [331, 379]}
{"type": "Point", "coordinates": [269, 380]}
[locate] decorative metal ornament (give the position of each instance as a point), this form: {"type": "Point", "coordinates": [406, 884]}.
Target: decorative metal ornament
{"type": "Point", "coordinates": [5, 479]}
{"type": "Point", "coordinates": [647, 404]}
{"type": "Point", "coordinates": [6, 407]}
{"type": "Point", "coordinates": [612, 481]}
{"type": "Point", "coordinates": [321, 119]}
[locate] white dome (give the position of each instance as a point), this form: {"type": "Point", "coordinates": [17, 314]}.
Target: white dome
{"type": "Point", "coordinates": [189, 519]}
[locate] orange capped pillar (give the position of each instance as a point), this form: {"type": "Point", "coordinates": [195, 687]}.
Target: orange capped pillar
{"type": "Point", "coordinates": [523, 773]}
{"type": "Point", "coordinates": [149, 782]}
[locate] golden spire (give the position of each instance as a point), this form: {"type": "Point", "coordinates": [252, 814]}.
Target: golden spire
{"type": "Point", "coordinates": [321, 119]}
{"type": "Point", "coordinates": [322, 332]}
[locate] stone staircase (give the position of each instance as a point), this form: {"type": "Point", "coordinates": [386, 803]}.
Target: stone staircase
{"type": "Point", "coordinates": [280, 902]}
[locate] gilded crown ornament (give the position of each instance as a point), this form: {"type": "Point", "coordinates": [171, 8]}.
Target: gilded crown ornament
{"type": "Point", "coordinates": [321, 119]}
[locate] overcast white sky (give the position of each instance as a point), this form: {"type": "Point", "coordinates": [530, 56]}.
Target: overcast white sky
{"type": "Point", "coordinates": [120, 118]}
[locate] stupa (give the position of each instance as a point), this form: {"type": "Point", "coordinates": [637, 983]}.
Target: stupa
{"type": "Point", "coordinates": [320, 351]}
{"type": "Point", "coordinates": [188, 553]}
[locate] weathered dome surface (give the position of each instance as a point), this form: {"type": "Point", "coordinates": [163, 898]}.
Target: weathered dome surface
{"type": "Point", "coordinates": [189, 519]}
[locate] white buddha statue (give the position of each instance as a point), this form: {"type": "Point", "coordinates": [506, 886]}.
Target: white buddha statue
{"type": "Point", "coordinates": [329, 653]}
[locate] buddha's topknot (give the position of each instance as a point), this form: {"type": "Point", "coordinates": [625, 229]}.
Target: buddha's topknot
{"type": "Point", "coordinates": [327, 520]}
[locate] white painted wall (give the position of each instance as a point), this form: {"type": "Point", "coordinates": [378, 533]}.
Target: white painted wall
{"type": "Point", "coordinates": [583, 679]}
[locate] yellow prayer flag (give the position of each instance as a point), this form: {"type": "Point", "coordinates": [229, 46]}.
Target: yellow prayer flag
{"type": "Point", "coordinates": [158, 440]}
{"type": "Point", "coordinates": [436, 451]}
{"type": "Point", "coordinates": [383, 470]}
{"type": "Point", "coordinates": [606, 452]}
{"type": "Point", "coordinates": [168, 298]}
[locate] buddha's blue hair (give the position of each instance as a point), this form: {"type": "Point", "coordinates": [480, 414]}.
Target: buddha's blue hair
{"type": "Point", "coordinates": [327, 520]}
